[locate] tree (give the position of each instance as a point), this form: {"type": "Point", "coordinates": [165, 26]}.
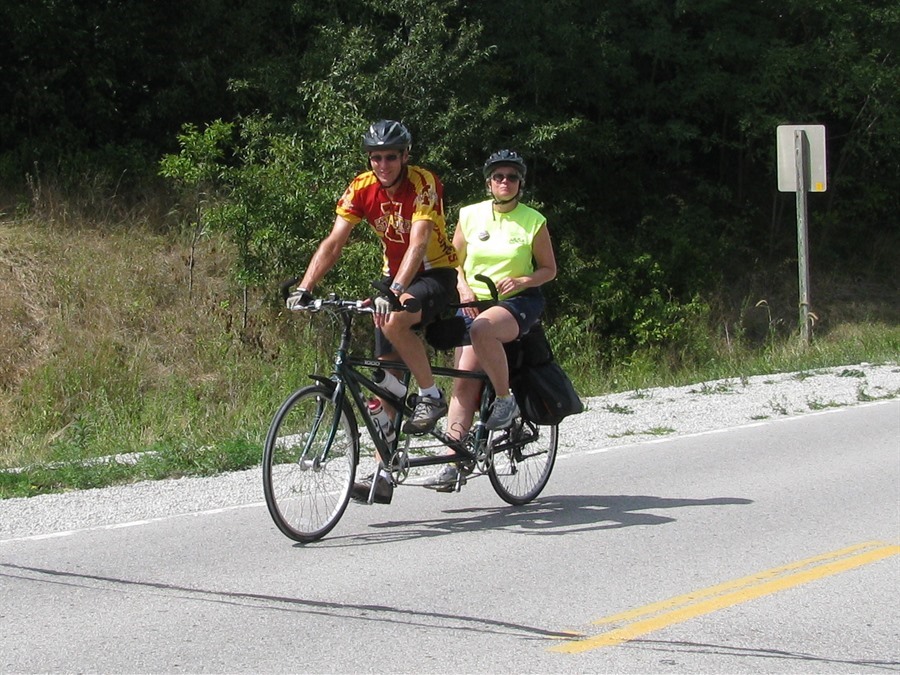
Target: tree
{"type": "Point", "coordinates": [648, 126]}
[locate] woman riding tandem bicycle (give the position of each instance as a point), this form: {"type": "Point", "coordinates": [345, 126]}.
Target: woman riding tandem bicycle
{"type": "Point", "coordinates": [506, 241]}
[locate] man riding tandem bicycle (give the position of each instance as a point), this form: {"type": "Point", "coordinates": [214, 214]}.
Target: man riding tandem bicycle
{"type": "Point", "coordinates": [312, 450]}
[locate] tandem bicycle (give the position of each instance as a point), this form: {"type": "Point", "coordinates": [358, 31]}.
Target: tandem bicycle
{"type": "Point", "coordinates": [314, 443]}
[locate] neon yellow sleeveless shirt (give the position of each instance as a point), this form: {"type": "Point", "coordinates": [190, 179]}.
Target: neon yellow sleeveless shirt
{"type": "Point", "coordinates": [498, 245]}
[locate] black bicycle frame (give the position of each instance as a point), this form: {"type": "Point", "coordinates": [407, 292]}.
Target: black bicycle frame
{"type": "Point", "coordinates": [346, 376]}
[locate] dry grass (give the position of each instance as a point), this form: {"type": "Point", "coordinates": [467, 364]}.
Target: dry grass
{"type": "Point", "coordinates": [103, 350]}
{"type": "Point", "coordinates": [23, 332]}
{"type": "Point", "coordinates": [99, 331]}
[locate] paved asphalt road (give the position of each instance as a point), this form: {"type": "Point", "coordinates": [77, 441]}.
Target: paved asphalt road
{"type": "Point", "coordinates": [772, 548]}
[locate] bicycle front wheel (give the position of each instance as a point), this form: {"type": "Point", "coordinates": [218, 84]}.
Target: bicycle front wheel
{"type": "Point", "coordinates": [309, 463]}
{"type": "Point", "coordinates": [523, 458]}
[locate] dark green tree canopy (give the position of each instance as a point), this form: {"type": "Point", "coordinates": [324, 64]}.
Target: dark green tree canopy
{"type": "Point", "coordinates": [649, 126]}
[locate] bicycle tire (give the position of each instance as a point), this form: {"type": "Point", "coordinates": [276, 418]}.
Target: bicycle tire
{"type": "Point", "coordinates": [522, 461]}
{"type": "Point", "coordinates": [308, 476]}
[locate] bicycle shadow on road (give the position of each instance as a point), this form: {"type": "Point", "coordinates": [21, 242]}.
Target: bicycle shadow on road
{"type": "Point", "coordinates": [556, 515]}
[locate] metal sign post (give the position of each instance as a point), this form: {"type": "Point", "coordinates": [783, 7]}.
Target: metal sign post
{"type": "Point", "coordinates": [801, 168]}
{"type": "Point", "coordinates": [802, 154]}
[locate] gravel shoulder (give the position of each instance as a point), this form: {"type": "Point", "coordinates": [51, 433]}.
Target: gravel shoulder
{"type": "Point", "coordinates": [608, 421]}
{"type": "Point", "coordinates": [635, 416]}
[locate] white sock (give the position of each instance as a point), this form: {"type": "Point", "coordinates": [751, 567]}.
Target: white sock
{"type": "Point", "coordinates": [384, 473]}
{"type": "Point", "coordinates": [432, 391]}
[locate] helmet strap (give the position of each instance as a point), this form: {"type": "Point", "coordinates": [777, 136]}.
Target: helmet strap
{"type": "Point", "coordinates": [500, 202]}
{"type": "Point", "coordinates": [400, 176]}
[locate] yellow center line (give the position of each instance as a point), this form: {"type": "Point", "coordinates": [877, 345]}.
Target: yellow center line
{"type": "Point", "coordinates": [731, 593]}
{"type": "Point", "coordinates": [735, 584]}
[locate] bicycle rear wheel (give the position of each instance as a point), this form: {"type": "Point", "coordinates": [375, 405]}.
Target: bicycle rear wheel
{"type": "Point", "coordinates": [309, 463]}
{"type": "Point", "coordinates": [523, 458]}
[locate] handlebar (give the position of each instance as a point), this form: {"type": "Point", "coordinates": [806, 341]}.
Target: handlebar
{"type": "Point", "coordinates": [365, 307]}
{"type": "Point", "coordinates": [483, 304]}
{"type": "Point", "coordinates": [487, 281]}
{"type": "Point", "coordinates": [332, 301]}
{"type": "Point", "coordinates": [335, 303]}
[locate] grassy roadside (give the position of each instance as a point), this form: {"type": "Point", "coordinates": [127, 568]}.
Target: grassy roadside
{"type": "Point", "coordinates": [111, 345]}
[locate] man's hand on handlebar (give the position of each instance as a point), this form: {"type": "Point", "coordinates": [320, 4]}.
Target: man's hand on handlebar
{"type": "Point", "coordinates": [387, 302]}
{"type": "Point", "coordinates": [382, 310]}
{"type": "Point", "coordinates": [298, 299]}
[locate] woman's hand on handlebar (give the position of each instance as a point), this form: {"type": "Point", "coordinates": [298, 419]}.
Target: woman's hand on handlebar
{"type": "Point", "coordinates": [467, 297]}
{"type": "Point", "coordinates": [469, 303]}
{"type": "Point", "coordinates": [509, 285]}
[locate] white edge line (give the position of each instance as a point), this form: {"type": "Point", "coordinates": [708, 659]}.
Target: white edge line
{"type": "Point", "coordinates": [134, 523]}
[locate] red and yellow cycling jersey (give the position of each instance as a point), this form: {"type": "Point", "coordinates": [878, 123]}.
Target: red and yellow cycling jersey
{"type": "Point", "coordinates": [419, 196]}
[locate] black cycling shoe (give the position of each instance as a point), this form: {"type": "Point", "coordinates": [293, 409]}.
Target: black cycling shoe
{"type": "Point", "coordinates": [384, 491]}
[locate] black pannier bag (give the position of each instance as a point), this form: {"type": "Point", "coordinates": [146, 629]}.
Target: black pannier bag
{"type": "Point", "coordinates": [544, 392]}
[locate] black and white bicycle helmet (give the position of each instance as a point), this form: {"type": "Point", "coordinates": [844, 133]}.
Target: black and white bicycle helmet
{"type": "Point", "coordinates": [387, 134]}
{"type": "Point", "coordinates": [504, 157]}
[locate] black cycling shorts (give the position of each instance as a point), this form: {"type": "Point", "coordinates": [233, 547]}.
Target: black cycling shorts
{"type": "Point", "coordinates": [435, 289]}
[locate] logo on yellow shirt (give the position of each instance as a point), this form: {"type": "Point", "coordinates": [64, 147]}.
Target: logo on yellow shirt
{"type": "Point", "coordinates": [390, 224]}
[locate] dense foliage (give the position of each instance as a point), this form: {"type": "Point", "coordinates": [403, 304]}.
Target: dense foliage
{"type": "Point", "coordinates": [649, 127]}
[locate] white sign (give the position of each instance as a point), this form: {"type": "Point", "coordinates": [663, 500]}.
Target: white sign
{"type": "Point", "coordinates": [787, 157]}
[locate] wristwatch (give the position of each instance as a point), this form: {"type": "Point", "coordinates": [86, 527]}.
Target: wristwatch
{"type": "Point", "coordinates": [398, 288]}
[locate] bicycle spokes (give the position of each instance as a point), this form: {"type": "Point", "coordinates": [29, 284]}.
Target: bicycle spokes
{"type": "Point", "coordinates": [309, 463]}
{"type": "Point", "coordinates": [522, 459]}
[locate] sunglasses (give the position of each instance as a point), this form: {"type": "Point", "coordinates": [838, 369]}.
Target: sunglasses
{"type": "Point", "coordinates": [391, 157]}
{"type": "Point", "coordinates": [509, 177]}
